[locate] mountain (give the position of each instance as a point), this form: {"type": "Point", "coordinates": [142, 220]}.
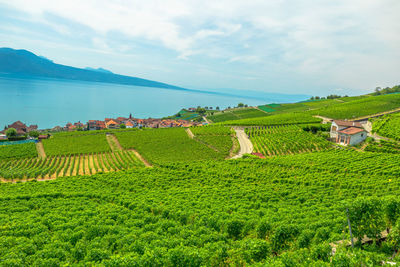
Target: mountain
{"type": "Point", "coordinates": [98, 69]}
{"type": "Point", "coordinates": [26, 63]}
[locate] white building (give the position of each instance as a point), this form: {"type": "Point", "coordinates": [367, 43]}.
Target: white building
{"type": "Point", "coordinates": [347, 132]}
{"type": "Point", "coordinates": [3, 136]}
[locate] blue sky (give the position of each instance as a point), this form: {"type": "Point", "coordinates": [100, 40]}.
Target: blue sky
{"type": "Point", "coordinates": [302, 47]}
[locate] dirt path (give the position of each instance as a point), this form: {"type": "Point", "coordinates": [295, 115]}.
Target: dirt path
{"type": "Point", "coordinates": [324, 119]}
{"type": "Point", "coordinates": [206, 120]}
{"type": "Point", "coordinates": [114, 143]}
{"type": "Point", "coordinates": [246, 147]}
{"type": "Point", "coordinates": [40, 150]}
{"type": "Point", "coordinates": [145, 162]}
{"type": "Point", "coordinates": [377, 114]}
{"type": "Point", "coordinates": [189, 133]}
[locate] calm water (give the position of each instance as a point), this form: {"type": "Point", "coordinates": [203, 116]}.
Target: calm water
{"type": "Point", "coordinates": [51, 102]}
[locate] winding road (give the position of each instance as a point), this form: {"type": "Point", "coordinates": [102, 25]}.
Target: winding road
{"type": "Point", "coordinates": [246, 147]}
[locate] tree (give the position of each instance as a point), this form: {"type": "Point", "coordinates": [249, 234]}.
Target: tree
{"type": "Point", "coordinates": [240, 105]}
{"type": "Point", "coordinates": [201, 111]}
{"type": "Point", "coordinates": [378, 90]}
{"type": "Point", "coordinates": [34, 134]}
{"type": "Point", "coordinates": [217, 108]}
{"type": "Point", "coordinates": [122, 126]}
{"type": "Point", "coordinates": [11, 132]}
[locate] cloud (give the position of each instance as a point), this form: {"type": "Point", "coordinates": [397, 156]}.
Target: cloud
{"type": "Point", "coordinates": [329, 39]}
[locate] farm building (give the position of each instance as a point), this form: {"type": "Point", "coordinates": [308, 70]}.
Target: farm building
{"type": "Point", "coordinates": [347, 132]}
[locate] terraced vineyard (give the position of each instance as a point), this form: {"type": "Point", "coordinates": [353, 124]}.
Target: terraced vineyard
{"type": "Point", "coordinates": [383, 146]}
{"type": "Point", "coordinates": [388, 125]}
{"type": "Point", "coordinates": [282, 140]}
{"type": "Point", "coordinates": [272, 212]}
{"type": "Point", "coordinates": [18, 151]}
{"type": "Point", "coordinates": [76, 144]}
{"type": "Point", "coordinates": [237, 114]}
{"type": "Point", "coordinates": [166, 145]}
{"type": "Point", "coordinates": [278, 119]}
{"type": "Point", "coordinates": [217, 137]}
{"type": "Point", "coordinates": [68, 165]}
{"type": "Point", "coordinates": [360, 107]}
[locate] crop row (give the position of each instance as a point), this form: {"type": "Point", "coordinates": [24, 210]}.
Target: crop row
{"type": "Point", "coordinates": [388, 125]}
{"type": "Point", "coordinates": [281, 140]}
{"type": "Point", "coordinates": [79, 144]}
{"type": "Point", "coordinates": [271, 212]}
{"type": "Point", "coordinates": [68, 165]}
{"type": "Point", "coordinates": [278, 119]}
{"type": "Point", "coordinates": [27, 150]}
{"type": "Point", "coordinates": [166, 145]}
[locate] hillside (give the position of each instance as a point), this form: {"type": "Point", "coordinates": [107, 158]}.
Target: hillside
{"type": "Point", "coordinates": [176, 197]}
{"type": "Point", "coordinates": [22, 62]}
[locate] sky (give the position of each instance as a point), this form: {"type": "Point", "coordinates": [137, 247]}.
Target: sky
{"type": "Point", "coordinates": [297, 47]}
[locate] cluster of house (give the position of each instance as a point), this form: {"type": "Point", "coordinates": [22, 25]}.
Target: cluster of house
{"type": "Point", "coordinates": [129, 122]}
{"type": "Point", "coordinates": [348, 132]}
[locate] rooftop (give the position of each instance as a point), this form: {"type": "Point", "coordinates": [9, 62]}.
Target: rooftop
{"type": "Point", "coordinates": [351, 130]}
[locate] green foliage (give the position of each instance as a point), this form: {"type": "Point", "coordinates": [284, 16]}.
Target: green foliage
{"type": "Point", "coordinates": [278, 119]}
{"type": "Point", "coordinates": [388, 125]}
{"type": "Point", "coordinates": [207, 213]}
{"type": "Point", "coordinates": [281, 140]}
{"type": "Point", "coordinates": [237, 114]}
{"type": "Point", "coordinates": [383, 146]}
{"type": "Point", "coordinates": [366, 218]}
{"type": "Point", "coordinates": [360, 107]}
{"type": "Point", "coordinates": [217, 137]}
{"type": "Point", "coordinates": [57, 166]}
{"type": "Point", "coordinates": [76, 144]}
{"type": "Point", "coordinates": [34, 134]}
{"type": "Point", "coordinates": [122, 126]}
{"type": "Point", "coordinates": [166, 145]}
{"type": "Point", "coordinates": [27, 150]}
{"type": "Point", "coordinates": [11, 132]}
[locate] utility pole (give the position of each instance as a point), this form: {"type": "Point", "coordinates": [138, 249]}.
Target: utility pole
{"type": "Point", "coordinates": [348, 222]}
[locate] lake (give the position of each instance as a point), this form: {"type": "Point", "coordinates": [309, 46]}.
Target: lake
{"type": "Point", "coordinates": [51, 102]}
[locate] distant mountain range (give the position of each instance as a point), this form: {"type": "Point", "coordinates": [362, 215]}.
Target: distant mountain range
{"type": "Point", "coordinates": [24, 62]}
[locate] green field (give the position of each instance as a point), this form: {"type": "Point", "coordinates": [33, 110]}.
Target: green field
{"type": "Point", "coordinates": [76, 144]}
{"type": "Point", "coordinates": [69, 165]}
{"type": "Point", "coordinates": [166, 145]}
{"type": "Point", "coordinates": [278, 119]}
{"type": "Point", "coordinates": [237, 114]}
{"type": "Point", "coordinates": [388, 126]}
{"type": "Point", "coordinates": [282, 140]}
{"type": "Point", "coordinates": [18, 151]}
{"type": "Point", "coordinates": [217, 137]}
{"type": "Point", "coordinates": [285, 209]}
{"type": "Point", "coordinates": [195, 206]}
{"type": "Point", "coordinates": [360, 107]}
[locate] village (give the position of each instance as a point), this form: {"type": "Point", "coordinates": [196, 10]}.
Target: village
{"type": "Point", "coordinates": [108, 123]}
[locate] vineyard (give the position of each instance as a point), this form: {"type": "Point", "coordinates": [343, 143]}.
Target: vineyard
{"type": "Point", "coordinates": [76, 144]}
{"type": "Point", "coordinates": [237, 114]}
{"type": "Point", "coordinates": [282, 140]}
{"type": "Point", "coordinates": [388, 125]}
{"type": "Point", "coordinates": [360, 107]}
{"type": "Point", "coordinates": [218, 138]}
{"type": "Point", "coordinates": [68, 165]}
{"type": "Point", "coordinates": [166, 145]}
{"type": "Point", "coordinates": [280, 211]}
{"type": "Point", "coordinates": [278, 119]}
{"type": "Point", "coordinates": [383, 146]}
{"type": "Point", "coordinates": [18, 151]}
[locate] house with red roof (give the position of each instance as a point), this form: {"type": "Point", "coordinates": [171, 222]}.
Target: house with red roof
{"type": "Point", "coordinates": [111, 124]}
{"type": "Point", "coordinates": [347, 132]}
{"type": "Point", "coordinates": [21, 128]}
